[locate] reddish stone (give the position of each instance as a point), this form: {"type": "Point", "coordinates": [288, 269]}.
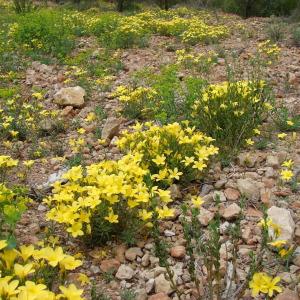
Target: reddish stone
{"type": "Point", "coordinates": [109, 265]}
{"type": "Point", "coordinates": [232, 194]}
{"type": "Point", "coordinates": [178, 252]}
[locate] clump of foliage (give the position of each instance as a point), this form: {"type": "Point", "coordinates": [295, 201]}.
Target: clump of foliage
{"type": "Point", "coordinates": [206, 249]}
{"type": "Point", "coordinates": [19, 118]}
{"type": "Point", "coordinates": [231, 111]}
{"type": "Point", "coordinates": [263, 8]}
{"type": "Point", "coordinates": [46, 32]}
{"type": "Point", "coordinates": [296, 36]}
{"type": "Point", "coordinates": [30, 272]}
{"type": "Point", "coordinates": [13, 200]}
{"type": "Point", "coordinates": [124, 32]}
{"type": "Point", "coordinates": [22, 6]}
{"type": "Point", "coordinates": [113, 198]}
{"type": "Point", "coordinates": [109, 199]}
{"type": "Point", "coordinates": [172, 152]}
{"type": "Point", "coordinates": [162, 96]}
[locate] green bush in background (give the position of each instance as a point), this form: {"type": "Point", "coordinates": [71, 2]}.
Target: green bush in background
{"type": "Point", "coordinates": [263, 8]}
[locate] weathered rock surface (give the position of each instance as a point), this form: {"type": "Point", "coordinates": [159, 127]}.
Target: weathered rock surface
{"type": "Point", "coordinates": [125, 273]}
{"type": "Point", "coordinates": [70, 96]}
{"type": "Point", "coordinates": [249, 188]}
{"type": "Point", "coordinates": [111, 128]}
{"type": "Point", "coordinates": [132, 253]}
{"type": "Point", "coordinates": [232, 194]}
{"type": "Point", "coordinates": [231, 212]}
{"type": "Point", "coordinates": [282, 217]}
{"type": "Point", "coordinates": [162, 285]}
{"type": "Point", "coordinates": [178, 251]}
{"type": "Point", "coordinates": [109, 265]}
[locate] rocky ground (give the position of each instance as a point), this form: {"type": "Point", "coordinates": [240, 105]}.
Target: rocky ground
{"type": "Point", "coordinates": [254, 173]}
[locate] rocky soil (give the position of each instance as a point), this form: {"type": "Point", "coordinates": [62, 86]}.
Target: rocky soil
{"type": "Point", "coordinates": [254, 173]}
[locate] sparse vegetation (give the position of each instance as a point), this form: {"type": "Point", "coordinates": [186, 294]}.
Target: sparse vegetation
{"type": "Point", "coordinates": [149, 148]}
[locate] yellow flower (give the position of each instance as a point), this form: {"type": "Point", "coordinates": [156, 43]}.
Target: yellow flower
{"type": "Point", "coordinates": [26, 252]}
{"type": "Point", "coordinates": [290, 123]}
{"type": "Point", "coordinates": [270, 224]}
{"type": "Point", "coordinates": [112, 218]}
{"type": "Point", "coordinates": [28, 163]}
{"type": "Point", "coordinates": [38, 96]}
{"type": "Point", "coordinates": [278, 243]}
{"type": "Point", "coordinates": [286, 175]}
{"type": "Point", "coordinates": [256, 131]}
{"type": "Point", "coordinates": [3, 244]}
{"type": "Point", "coordinates": [257, 283]}
{"type": "Point", "coordinates": [188, 160]}
{"type": "Point", "coordinates": [165, 212]}
{"type": "Point", "coordinates": [164, 196]}
{"type": "Point", "coordinates": [145, 215]}
{"type": "Point", "coordinates": [7, 144]}
{"type": "Point", "coordinates": [249, 142]}
{"type": "Point", "coordinates": [271, 286]}
{"type": "Point", "coordinates": [53, 256]}
{"type": "Point", "coordinates": [200, 165]}
{"type": "Point", "coordinates": [73, 174]}
{"type": "Point", "coordinates": [281, 135]}
{"type": "Point", "coordinates": [8, 288]}
{"type": "Point", "coordinates": [13, 133]}
{"type": "Point", "coordinates": [159, 160]}
{"type": "Point", "coordinates": [174, 174]}
{"type": "Point", "coordinates": [31, 290]}
{"type": "Point", "coordinates": [197, 201]}
{"type": "Point", "coordinates": [76, 229]}
{"type": "Point", "coordinates": [286, 252]}
{"type": "Point", "coordinates": [90, 117]}
{"type": "Point", "coordinates": [9, 256]}
{"type": "Point", "coordinates": [102, 141]}
{"type": "Point", "coordinates": [83, 279]}
{"type": "Point", "coordinates": [71, 292]}
{"type": "Point", "coordinates": [288, 164]}
{"type": "Point", "coordinates": [23, 271]}
{"type": "Point", "coordinates": [263, 283]}
{"type": "Point", "coordinates": [81, 131]}
{"type": "Point", "coordinates": [70, 263]}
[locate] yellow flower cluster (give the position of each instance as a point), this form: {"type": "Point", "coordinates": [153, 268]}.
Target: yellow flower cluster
{"type": "Point", "coordinates": [136, 102]}
{"type": "Point", "coordinates": [7, 162]}
{"type": "Point", "coordinates": [287, 174]}
{"type": "Point", "coordinates": [109, 187]}
{"type": "Point", "coordinates": [233, 97]}
{"type": "Point", "coordinates": [171, 152]}
{"type": "Point", "coordinates": [281, 246]}
{"type": "Point", "coordinates": [173, 27]}
{"type": "Point", "coordinates": [269, 49]}
{"type": "Point", "coordinates": [198, 31]}
{"type": "Point", "coordinates": [274, 229]}
{"type": "Point", "coordinates": [199, 61]}
{"type": "Point", "coordinates": [24, 268]}
{"type": "Point", "coordinates": [262, 283]}
{"type": "Point", "coordinates": [187, 25]}
{"type": "Point", "coordinates": [19, 117]}
{"type": "Point", "coordinates": [77, 144]}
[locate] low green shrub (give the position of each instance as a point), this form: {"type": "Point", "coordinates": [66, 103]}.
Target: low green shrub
{"type": "Point", "coordinates": [22, 6]}
{"type": "Point", "coordinates": [231, 112]}
{"type": "Point", "coordinates": [44, 32]}
{"type": "Point", "coordinates": [275, 31]}
{"type": "Point", "coordinates": [160, 96]}
{"type": "Point", "coordinates": [264, 8]}
{"type": "Point", "coordinates": [296, 36]}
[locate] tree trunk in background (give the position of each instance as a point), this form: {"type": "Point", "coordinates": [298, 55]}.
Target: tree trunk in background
{"type": "Point", "coordinates": [120, 5]}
